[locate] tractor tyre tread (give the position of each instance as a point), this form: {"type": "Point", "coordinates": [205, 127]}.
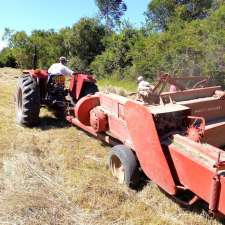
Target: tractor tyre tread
{"type": "Point", "coordinates": [27, 101]}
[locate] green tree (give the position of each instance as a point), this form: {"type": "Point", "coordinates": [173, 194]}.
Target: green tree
{"type": "Point", "coordinates": [195, 48]}
{"type": "Point", "coordinates": [65, 35]}
{"type": "Point", "coordinates": [49, 46]}
{"type": "Point", "coordinates": [162, 12]}
{"type": "Point", "coordinates": [85, 42]}
{"type": "Point", "coordinates": [19, 43]}
{"type": "Point", "coordinates": [7, 59]}
{"type": "Point", "coordinates": [116, 57]}
{"type": "Point", "coordinates": [111, 11]}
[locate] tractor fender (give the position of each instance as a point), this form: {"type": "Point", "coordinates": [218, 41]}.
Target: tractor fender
{"type": "Point", "coordinates": [37, 73]}
{"type": "Point", "coordinates": [77, 82]}
{"type": "Point", "coordinates": [143, 133]}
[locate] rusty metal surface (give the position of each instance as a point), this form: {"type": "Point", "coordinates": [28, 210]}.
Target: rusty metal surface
{"type": "Point", "coordinates": [164, 79]}
{"type": "Point", "coordinates": [167, 108]}
{"type": "Point", "coordinates": [210, 109]}
{"type": "Point", "coordinates": [215, 133]}
{"type": "Point", "coordinates": [191, 94]}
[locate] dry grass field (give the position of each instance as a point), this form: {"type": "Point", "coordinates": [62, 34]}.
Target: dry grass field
{"type": "Point", "coordinates": [57, 174]}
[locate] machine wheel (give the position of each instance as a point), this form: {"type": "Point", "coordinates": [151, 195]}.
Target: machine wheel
{"type": "Point", "coordinates": [88, 89]}
{"type": "Point", "coordinates": [123, 165]}
{"type": "Point", "coordinates": [27, 101]}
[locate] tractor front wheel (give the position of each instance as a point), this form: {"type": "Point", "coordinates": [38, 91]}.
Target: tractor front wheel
{"type": "Point", "coordinates": [27, 101]}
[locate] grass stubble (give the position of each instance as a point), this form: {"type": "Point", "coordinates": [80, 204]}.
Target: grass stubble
{"type": "Point", "coordinates": [57, 174]}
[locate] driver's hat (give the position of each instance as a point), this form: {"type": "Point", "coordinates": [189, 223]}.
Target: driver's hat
{"type": "Point", "coordinates": [140, 78]}
{"type": "Point", "coordinates": [63, 59]}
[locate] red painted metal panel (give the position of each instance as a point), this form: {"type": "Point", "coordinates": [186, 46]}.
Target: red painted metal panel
{"type": "Point", "coordinates": [195, 168]}
{"type": "Point", "coordinates": [37, 73]}
{"type": "Point", "coordinates": [108, 104]}
{"type": "Point", "coordinates": [83, 107]}
{"type": "Point", "coordinates": [192, 173]}
{"type": "Point", "coordinates": [72, 87]}
{"type": "Point", "coordinates": [90, 130]}
{"type": "Point", "coordinates": [80, 81]}
{"type": "Point", "coordinates": [114, 104]}
{"type": "Point", "coordinates": [221, 203]}
{"type": "Point", "coordinates": [81, 78]}
{"type": "Point", "coordinates": [147, 146]}
{"type": "Point", "coordinates": [118, 128]}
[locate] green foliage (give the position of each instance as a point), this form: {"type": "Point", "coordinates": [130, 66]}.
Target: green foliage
{"type": "Point", "coordinates": [189, 41]}
{"type": "Point", "coordinates": [81, 43]}
{"type": "Point", "coordinates": [111, 11]}
{"type": "Point", "coordinates": [49, 46]}
{"type": "Point", "coordinates": [186, 48]}
{"type": "Point", "coordinates": [126, 84]}
{"type": "Point", "coordinates": [85, 41]}
{"type": "Point", "coordinates": [19, 43]}
{"type": "Point", "coordinates": [7, 59]}
{"type": "Point", "coordinates": [162, 12]}
{"type": "Point", "coordinates": [198, 47]}
{"type": "Point", "coordinates": [116, 57]}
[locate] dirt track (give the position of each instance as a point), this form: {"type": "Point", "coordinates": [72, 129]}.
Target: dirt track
{"type": "Point", "coordinates": [56, 174]}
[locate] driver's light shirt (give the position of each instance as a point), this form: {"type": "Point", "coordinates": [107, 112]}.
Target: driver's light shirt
{"type": "Point", "coordinates": [59, 69]}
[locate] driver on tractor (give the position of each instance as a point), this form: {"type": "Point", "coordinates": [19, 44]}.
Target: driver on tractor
{"type": "Point", "coordinates": [60, 69]}
{"type": "Point", "coordinates": [56, 83]}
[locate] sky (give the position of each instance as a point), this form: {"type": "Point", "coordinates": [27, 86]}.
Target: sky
{"type": "Point", "coordinates": [28, 15]}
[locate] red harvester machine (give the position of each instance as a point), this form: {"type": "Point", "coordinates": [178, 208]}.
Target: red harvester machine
{"type": "Point", "coordinates": [177, 141]}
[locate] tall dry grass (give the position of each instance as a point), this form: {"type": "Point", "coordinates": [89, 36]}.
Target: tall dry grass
{"type": "Point", "coordinates": [56, 174]}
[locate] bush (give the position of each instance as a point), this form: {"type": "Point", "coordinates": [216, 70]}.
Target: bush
{"type": "Point", "coordinates": [7, 59]}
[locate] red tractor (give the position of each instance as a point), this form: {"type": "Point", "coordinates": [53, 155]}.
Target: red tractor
{"type": "Point", "coordinates": [37, 89]}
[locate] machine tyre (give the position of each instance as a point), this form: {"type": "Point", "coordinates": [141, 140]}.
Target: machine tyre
{"type": "Point", "coordinates": [123, 165]}
{"type": "Point", "coordinates": [27, 101]}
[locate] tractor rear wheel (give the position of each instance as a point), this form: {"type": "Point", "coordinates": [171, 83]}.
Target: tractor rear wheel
{"type": "Point", "coordinates": [123, 165]}
{"type": "Point", "coordinates": [27, 101]}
